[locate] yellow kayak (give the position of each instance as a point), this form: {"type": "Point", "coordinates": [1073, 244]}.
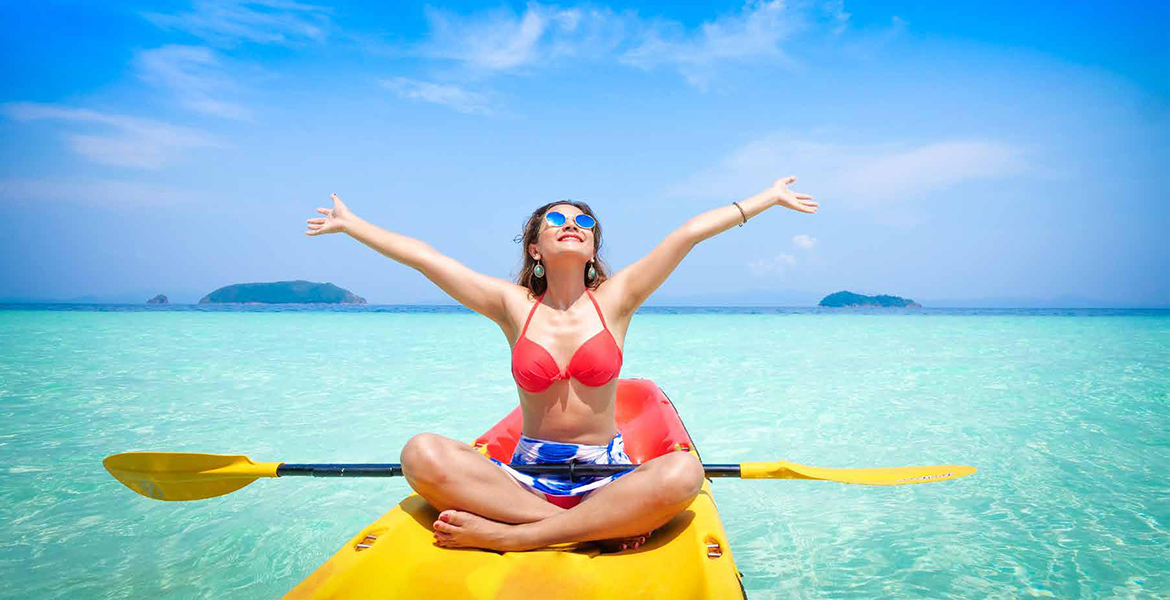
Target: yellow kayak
{"type": "Point", "coordinates": [396, 557]}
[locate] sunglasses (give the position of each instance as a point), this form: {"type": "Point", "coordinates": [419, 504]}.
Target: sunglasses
{"type": "Point", "coordinates": [557, 219]}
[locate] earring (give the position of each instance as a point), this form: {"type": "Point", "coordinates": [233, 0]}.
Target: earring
{"type": "Point", "coordinates": [592, 271]}
{"type": "Point", "coordinates": [538, 270]}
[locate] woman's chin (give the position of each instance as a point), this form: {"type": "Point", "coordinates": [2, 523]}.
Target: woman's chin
{"type": "Point", "coordinates": [569, 255]}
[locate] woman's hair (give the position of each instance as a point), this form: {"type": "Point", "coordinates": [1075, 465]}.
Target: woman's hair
{"type": "Point", "coordinates": [537, 285]}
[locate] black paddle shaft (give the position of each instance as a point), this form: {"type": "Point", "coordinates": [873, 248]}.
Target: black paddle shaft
{"type": "Point", "coordinates": [572, 470]}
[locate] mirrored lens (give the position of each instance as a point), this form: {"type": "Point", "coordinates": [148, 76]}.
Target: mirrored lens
{"type": "Point", "coordinates": [585, 221]}
{"type": "Point", "coordinates": [555, 218]}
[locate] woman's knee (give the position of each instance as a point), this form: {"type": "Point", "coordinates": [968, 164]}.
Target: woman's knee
{"type": "Point", "coordinates": [423, 457]}
{"type": "Point", "coordinates": [681, 477]}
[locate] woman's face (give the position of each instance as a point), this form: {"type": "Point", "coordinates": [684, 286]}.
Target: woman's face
{"type": "Point", "coordinates": [566, 240]}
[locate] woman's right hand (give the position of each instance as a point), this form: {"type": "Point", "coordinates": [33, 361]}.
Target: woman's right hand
{"type": "Point", "coordinates": [336, 219]}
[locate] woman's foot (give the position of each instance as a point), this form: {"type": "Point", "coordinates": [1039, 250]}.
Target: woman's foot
{"type": "Point", "coordinates": [628, 543]}
{"type": "Point", "coordinates": [459, 529]}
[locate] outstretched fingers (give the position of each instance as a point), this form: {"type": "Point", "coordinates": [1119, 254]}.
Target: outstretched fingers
{"type": "Point", "coordinates": [327, 224]}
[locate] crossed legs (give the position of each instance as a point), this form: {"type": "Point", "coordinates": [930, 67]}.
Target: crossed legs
{"type": "Point", "coordinates": [483, 507]}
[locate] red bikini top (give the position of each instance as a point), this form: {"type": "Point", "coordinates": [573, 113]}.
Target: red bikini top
{"type": "Point", "coordinates": [595, 363]}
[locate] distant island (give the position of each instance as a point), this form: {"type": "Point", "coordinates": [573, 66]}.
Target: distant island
{"type": "Point", "coordinates": [849, 299]}
{"type": "Point", "coordinates": [159, 299]}
{"type": "Point", "coordinates": [283, 292]}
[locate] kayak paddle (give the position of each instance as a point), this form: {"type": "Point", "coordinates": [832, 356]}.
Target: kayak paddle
{"type": "Point", "coordinates": [180, 476]}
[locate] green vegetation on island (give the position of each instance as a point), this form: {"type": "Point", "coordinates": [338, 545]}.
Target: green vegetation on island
{"type": "Point", "coordinates": [849, 299]}
{"type": "Point", "coordinates": [283, 292]}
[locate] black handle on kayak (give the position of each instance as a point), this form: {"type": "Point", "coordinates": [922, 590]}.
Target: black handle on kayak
{"type": "Point", "coordinates": [573, 470]}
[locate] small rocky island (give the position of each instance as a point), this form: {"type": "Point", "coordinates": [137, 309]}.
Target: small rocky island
{"type": "Point", "coordinates": [851, 300]}
{"type": "Point", "coordinates": [282, 292]}
{"type": "Point", "coordinates": [159, 299]}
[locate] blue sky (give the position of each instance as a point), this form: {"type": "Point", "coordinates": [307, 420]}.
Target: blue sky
{"type": "Point", "coordinates": [993, 152]}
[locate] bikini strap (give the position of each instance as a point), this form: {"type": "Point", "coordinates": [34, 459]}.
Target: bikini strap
{"type": "Point", "coordinates": [533, 311]}
{"type": "Point", "coordinates": [603, 325]}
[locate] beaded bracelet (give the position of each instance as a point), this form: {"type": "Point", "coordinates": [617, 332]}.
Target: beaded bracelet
{"type": "Point", "coordinates": [741, 213]}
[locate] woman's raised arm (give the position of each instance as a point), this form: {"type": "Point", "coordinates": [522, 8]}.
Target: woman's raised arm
{"type": "Point", "coordinates": [482, 293]}
{"type": "Point", "coordinates": [635, 283]}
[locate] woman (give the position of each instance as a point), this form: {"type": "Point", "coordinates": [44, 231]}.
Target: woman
{"type": "Point", "coordinates": [563, 310]}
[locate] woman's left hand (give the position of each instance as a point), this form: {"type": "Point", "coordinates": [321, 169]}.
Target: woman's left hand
{"type": "Point", "coordinates": [782, 196]}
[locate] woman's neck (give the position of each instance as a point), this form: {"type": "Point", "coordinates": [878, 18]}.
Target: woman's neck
{"type": "Point", "coordinates": [565, 287]}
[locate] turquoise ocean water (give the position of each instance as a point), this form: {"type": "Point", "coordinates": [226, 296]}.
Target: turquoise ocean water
{"type": "Point", "coordinates": [1065, 412]}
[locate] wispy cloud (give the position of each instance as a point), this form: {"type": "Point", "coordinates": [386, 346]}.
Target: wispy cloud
{"type": "Point", "coordinates": [772, 266]}
{"type": "Point", "coordinates": [451, 96]}
{"type": "Point", "coordinates": [754, 33]}
{"type": "Point", "coordinates": [194, 75]}
{"type": "Point", "coordinates": [134, 142]}
{"type": "Point", "coordinates": [857, 175]}
{"type": "Point", "coordinates": [501, 40]}
{"type": "Point", "coordinates": [98, 193]}
{"type": "Point", "coordinates": [804, 241]}
{"type": "Point", "coordinates": [229, 22]}
{"type": "Point", "coordinates": [931, 167]}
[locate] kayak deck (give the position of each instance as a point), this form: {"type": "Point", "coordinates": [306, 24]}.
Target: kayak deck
{"type": "Point", "coordinates": [689, 557]}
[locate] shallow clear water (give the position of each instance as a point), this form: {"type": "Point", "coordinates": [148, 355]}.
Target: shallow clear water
{"type": "Point", "coordinates": [1066, 414]}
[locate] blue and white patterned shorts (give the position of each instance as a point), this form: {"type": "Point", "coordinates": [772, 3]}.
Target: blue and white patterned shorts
{"type": "Point", "coordinates": [530, 451]}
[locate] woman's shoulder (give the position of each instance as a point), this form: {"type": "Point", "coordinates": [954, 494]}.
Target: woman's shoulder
{"type": "Point", "coordinates": [518, 300]}
{"type": "Point", "coordinates": [518, 295]}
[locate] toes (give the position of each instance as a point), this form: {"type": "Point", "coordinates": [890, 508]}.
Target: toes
{"type": "Point", "coordinates": [609, 546]}
{"type": "Point", "coordinates": [445, 527]}
{"type": "Point", "coordinates": [453, 517]}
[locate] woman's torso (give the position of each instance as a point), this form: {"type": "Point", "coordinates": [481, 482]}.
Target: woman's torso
{"type": "Point", "coordinates": [568, 410]}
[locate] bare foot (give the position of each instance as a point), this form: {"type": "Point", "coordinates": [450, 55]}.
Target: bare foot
{"type": "Point", "coordinates": [459, 529]}
{"type": "Point", "coordinates": [627, 543]}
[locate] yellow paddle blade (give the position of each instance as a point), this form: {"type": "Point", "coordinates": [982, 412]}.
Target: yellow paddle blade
{"type": "Point", "coordinates": [886, 476]}
{"type": "Point", "coordinates": [184, 476]}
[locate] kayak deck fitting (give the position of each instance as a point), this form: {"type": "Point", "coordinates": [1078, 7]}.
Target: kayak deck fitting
{"type": "Point", "coordinates": [689, 557]}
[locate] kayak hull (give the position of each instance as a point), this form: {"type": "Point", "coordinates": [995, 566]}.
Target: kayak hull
{"type": "Point", "coordinates": [396, 557]}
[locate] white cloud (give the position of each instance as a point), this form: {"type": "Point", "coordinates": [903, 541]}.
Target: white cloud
{"type": "Point", "coordinates": [928, 168]}
{"type": "Point", "coordinates": [804, 241]}
{"type": "Point", "coordinates": [194, 75]}
{"type": "Point", "coordinates": [450, 96]}
{"type": "Point", "coordinates": [135, 142]}
{"type": "Point", "coordinates": [99, 193]}
{"type": "Point", "coordinates": [228, 22]}
{"type": "Point", "coordinates": [754, 33]}
{"type": "Point", "coordinates": [501, 40]}
{"type": "Point", "coordinates": [777, 265]}
{"type": "Point", "coordinates": [856, 174]}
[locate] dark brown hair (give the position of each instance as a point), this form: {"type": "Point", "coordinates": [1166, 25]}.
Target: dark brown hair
{"type": "Point", "coordinates": [537, 285]}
